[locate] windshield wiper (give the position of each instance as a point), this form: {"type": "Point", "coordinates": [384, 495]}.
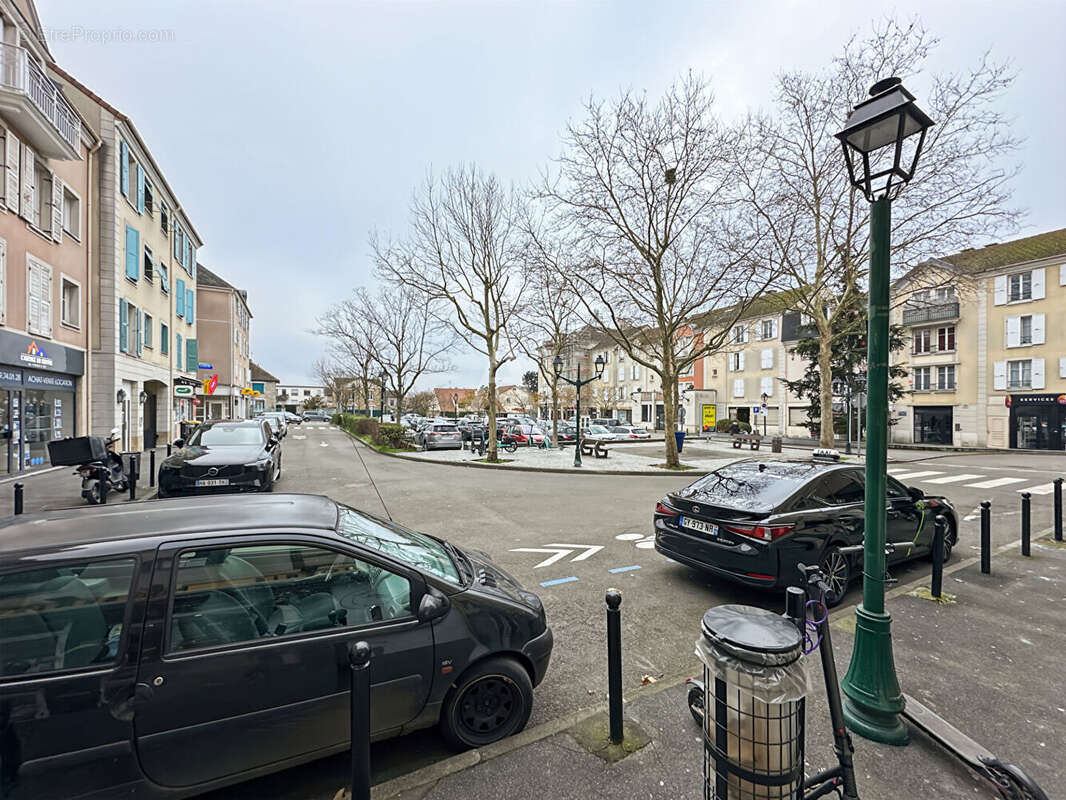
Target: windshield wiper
{"type": "Point", "coordinates": [462, 563]}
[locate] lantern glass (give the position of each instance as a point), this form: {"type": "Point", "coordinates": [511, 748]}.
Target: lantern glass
{"type": "Point", "coordinates": [557, 363]}
{"type": "Point", "coordinates": [600, 364]}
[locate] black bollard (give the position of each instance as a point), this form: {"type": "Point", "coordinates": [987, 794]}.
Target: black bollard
{"type": "Point", "coordinates": [133, 476]}
{"type": "Point", "coordinates": [614, 663]}
{"type": "Point", "coordinates": [19, 490]}
{"type": "Point", "coordinates": [940, 530]}
{"type": "Point", "coordinates": [986, 536]}
{"type": "Point", "coordinates": [168, 449]}
{"type": "Point", "coordinates": [151, 467]}
{"type": "Point", "coordinates": [1024, 523]}
{"type": "Point", "coordinates": [359, 661]}
{"type": "Point", "coordinates": [1058, 509]}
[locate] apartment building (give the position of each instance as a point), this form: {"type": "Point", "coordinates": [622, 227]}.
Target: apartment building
{"type": "Point", "coordinates": [266, 385]}
{"type": "Point", "coordinates": [48, 157]}
{"type": "Point", "coordinates": [292, 397]}
{"type": "Point", "coordinates": [987, 354]}
{"type": "Point", "coordinates": [143, 343]}
{"type": "Point", "coordinates": [224, 348]}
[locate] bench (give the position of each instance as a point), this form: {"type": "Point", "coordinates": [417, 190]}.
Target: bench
{"type": "Point", "coordinates": [596, 448]}
{"type": "Point", "coordinates": [753, 440]}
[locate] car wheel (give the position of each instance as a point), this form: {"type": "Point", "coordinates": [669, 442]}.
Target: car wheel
{"type": "Point", "coordinates": [837, 570]}
{"type": "Point", "coordinates": [950, 539]}
{"type": "Point", "coordinates": [491, 701]}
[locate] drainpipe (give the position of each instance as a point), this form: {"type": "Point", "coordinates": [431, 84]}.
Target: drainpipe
{"type": "Point", "coordinates": [90, 273]}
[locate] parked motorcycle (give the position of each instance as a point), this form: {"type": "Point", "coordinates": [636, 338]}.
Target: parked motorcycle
{"type": "Point", "coordinates": [105, 474]}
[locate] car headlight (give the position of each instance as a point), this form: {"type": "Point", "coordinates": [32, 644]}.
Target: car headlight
{"type": "Point", "coordinates": [261, 464]}
{"type": "Point", "coordinates": [531, 599]}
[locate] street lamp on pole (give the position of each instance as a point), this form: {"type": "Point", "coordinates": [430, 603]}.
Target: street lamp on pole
{"type": "Point", "coordinates": [557, 363]}
{"type": "Point", "coordinates": [382, 378]}
{"type": "Point", "coordinates": [874, 139]}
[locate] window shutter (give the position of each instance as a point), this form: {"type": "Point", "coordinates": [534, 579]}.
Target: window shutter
{"type": "Point", "coordinates": [767, 386]}
{"type": "Point", "coordinates": [11, 160]}
{"type": "Point", "coordinates": [1038, 328]}
{"type": "Point", "coordinates": [191, 355]}
{"type": "Point", "coordinates": [140, 189]}
{"type": "Point", "coordinates": [745, 334]}
{"type": "Point", "coordinates": [190, 315]}
{"type": "Point", "coordinates": [1000, 292]}
{"type": "Point", "coordinates": [738, 387]}
{"type": "Point", "coordinates": [123, 326]}
{"type": "Point", "coordinates": [740, 356]}
{"type": "Point", "coordinates": [45, 299]}
{"type": "Point", "coordinates": [28, 185]}
{"type": "Point", "coordinates": [124, 167]}
{"type": "Point", "coordinates": [133, 253]}
{"type": "Point", "coordinates": [189, 266]}
{"type": "Point", "coordinates": [177, 350]}
{"type": "Point", "coordinates": [164, 339]}
{"type": "Point", "coordinates": [3, 281]}
{"type": "Point", "coordinates": [1038, 284]}
{"type": "Point", "coordinates": [773, 328]}
{"type": "Point", "coordinates": [999, 375]}
{"type": "Point", "coordinates": [1062, 270]}
{"type": "Point", "coordinates": [1062, 366]}
{"type": "Point", "coordinates": [1014, 331]}
{"type": "Point", "coordinates": [57, 208]}
{"type": "Point", "coordinates": [139, 322]}
{"type": "Point", "coordinates": [179, 298]}
{"type": "Point", "coordinates": [177, 242]}
{"type": "Point", "coordinates": [1038, 373]}
{"type": "Point", "coordinates": [767, 358]}
{"type": "Point", "coordinates": [164, 279]}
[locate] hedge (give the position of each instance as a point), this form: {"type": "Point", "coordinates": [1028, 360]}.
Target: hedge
{"type": "Point", "coordinates": [724, 425]}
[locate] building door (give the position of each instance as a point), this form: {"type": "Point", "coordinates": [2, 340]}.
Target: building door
{"type": "Point", "coordinates": [150, 421]}
{"type": "Point", "coordinates": [660, 417]}
{"type": "Point", "coordinates": [933, 424]}
{"type": "Point", "coordinates": [5, 431]}
{"type": "Point", "coordinates": [1032, 428]}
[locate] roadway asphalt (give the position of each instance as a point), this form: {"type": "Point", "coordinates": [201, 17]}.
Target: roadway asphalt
{"type": "Point", "coordinates": [606, 520]}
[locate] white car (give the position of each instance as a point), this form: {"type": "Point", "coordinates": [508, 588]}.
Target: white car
{"type": "Point", "coordinates": [627, 432]}
{"type": "Point", "coordinates": [597, 433]}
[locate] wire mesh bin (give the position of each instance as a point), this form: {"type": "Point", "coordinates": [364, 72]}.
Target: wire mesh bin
{"type": "Point", "coordinates": [753, 707]}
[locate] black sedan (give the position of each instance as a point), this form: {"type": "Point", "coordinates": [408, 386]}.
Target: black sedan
{"type": "Point", "coordinates": [164, 650]}
{"type": "Point", "coordinates": [752, 522]}
{"type": "Point", "coordinates": [223, 456]}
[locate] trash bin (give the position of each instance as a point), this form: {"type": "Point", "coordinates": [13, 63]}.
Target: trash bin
{"type": "Point", "coordinates": [775, 444]}
{"type": "Point", "coordinates": [679, 437]}
{"type": "Point", "coordinates": [753, 707]}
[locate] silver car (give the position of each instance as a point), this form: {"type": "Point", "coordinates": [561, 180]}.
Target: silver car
{"type": "Point", "coordinates": [437, 436]}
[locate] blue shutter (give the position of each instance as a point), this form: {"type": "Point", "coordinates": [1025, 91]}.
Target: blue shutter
{"type": "Point", "coordinates": [140, 331]}
{"type": "Point", "coordinates": [177, 350]}
{"type": "Point", "coordinates": [179, 298]}
{"type": "Point", "coordinates": [123, 326]}
{"type": "Point", "coordinates": [124, 167]}
{"type": "Point", "coordinates": [140, 189]}
{"type": "Point", "coordinates": [164, 339]}
{"type": "Point", "coordinates": [133, 253]}
{"type": "Point", "coordinates": [190, 315]}
{"type": "Point", "coordinates": [191, 355]}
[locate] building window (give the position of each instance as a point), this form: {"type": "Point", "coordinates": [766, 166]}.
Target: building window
{"type": "Point", "coordinates": [38, 297]}
{"type": "Point", "coordinates": [71, 213]}
{"type": "Point", "coordinates": [148, 330]}
{"type": "Point", "coordinates": [164, 217]}
{"type": "Point", "coordinates": [740, 334]}
{"type": "Point", "coordinates": [945, 338]}
{"type": "Point", "coordinates": [738, 387]}
{"type": "Point", "coordinates": [945, 378]}
{"type": "Point", "coordinates": [736, 361]}
{"type": "Point", "coordinates": [71, 302]}
{"type": "Point", "coordinates": [1020, 286]}
{"type": "Point", "coordinates": [768, 329]}
{"type": "Point", "coordinates": [1020, 374]}
{"type": "Point", "coordinates": [164, 280]}
{"type": "Point", "coordinates": [149, 264]}
{"type": "Point", "coordinates": [1025, 329]}
{"type": "Point", "coordinates": [922, 341]}
{"type": "Point", "coordinates": [148, 197]}
{"type": "Point", "coordinates": [922, 376]}
{"type": "Point", "coordinates": [164, 339]}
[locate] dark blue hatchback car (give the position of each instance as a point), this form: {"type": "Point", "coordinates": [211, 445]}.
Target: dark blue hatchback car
{"type": "Point", "coordinates": [166, 648]}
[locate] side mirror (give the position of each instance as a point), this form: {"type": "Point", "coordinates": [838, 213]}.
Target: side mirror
{"type": "Point", "coordinates": [273, 441]}
{"type": "Point", "coordinates": [915, 493]}
{"type": "Point", "coordinates": [433, 606]}
{"type": "Point", "coordinates": [178, 443]}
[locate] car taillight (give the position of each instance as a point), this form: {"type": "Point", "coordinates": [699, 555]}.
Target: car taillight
{"type": "Point", "coordinates": [661, 508]}
{"type": "Point", "coordinates": [764, 533]}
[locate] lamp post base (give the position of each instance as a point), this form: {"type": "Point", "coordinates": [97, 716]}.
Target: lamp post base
{"type": "Point", "coordinates": [873, 699]}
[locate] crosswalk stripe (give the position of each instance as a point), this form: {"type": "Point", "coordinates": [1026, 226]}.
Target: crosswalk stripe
{"type": "Point", "coordinates": [1047, 488]}
{"type": "Point", "coordinates": [992, 484]}
{"type": "Point", "coordinates": [899, 470]}
{"type": "Point", "coordinates": [912, 475]}
{"type": "Point", "coordinates": [954, 478]}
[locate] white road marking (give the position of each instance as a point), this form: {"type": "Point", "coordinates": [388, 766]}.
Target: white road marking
{"type": "Point", "coordinates": [954, 478]}
{"type": "Point", "coordinates": [1047, 488]}
{"type": "Point", "coordinates": [323, 444]}
{"type": "Point", "coordinates": [912, 475]}
{"type": "Point", "coordinates": [294, 436]}
{"type": "Point", "coordinates": [560, 551]}
{"type": "Point", "coordinates": [992, 484]}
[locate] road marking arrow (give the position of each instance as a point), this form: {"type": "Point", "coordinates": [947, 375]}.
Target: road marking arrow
{"type": "Point", "coordinates": [560, 551]}
{"type": "Point", "coordinates": [323, 444]}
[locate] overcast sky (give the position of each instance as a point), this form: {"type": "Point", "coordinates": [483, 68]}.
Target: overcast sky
{"type": "Point", "coordinates": [291, 129]}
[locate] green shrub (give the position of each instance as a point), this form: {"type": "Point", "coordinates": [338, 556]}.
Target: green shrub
{"type": "Point", "coordinates": [365, 427]}
{"type": "Point", "coordinates": [724, 425]}
{"type": "Point", "coordinates": [393, 436]}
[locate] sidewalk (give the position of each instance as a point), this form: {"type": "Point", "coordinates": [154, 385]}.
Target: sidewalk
{"type": "Point", "coordinates": [984, 663]}
{"type": "Point", "coordinates": [54, 488]}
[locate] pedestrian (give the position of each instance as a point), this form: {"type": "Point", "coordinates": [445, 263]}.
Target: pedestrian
{"type": "Point", "coordinates": [734, 429]}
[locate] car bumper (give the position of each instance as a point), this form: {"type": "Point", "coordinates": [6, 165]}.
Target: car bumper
{"type": "Point", "coordinates": [253, 482]}
{"type": "Point", "coordinates": [767, 566]}
{"type": "Point", "coordinates": [539, 651]}
{"type": "Point", "coordinates": [454, 445]}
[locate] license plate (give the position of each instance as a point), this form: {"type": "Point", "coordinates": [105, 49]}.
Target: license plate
{"type": "Point", "coordinates": [213, 482]}
{"type": "Point", "coordinates": [699, 525]}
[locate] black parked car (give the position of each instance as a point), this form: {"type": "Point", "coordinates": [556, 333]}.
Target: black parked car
{"type": "Point", "coordinates": [164, 649]}
{"type": "Point", "coordinates": [223, 456]}
{"type": "Point", "coordinates": [753, 521]}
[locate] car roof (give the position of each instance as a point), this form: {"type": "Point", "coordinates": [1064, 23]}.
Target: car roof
{"type": "Point", "coordinates": [246, 422]}
{"type": "Point", "coordinates": [165, 519]}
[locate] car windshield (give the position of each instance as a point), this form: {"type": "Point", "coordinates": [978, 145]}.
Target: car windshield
{"type": "Point", "coordinates": [445, 428]}
{"type": "Point", "coordinates": [416, 549]}
{"type": "Point", "coordinates": [222, 435]}
{"type": "Point", "coordinates": [751, 485]}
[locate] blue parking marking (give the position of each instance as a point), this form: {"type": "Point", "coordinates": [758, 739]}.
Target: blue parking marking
{"type": "Point", "coordinates": [557, 581]}
{"type": "Point", "coordinates": [625, 569]}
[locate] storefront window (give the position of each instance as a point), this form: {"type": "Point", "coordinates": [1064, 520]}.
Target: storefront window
{"type": "Point", "coordinates": [46, 415]}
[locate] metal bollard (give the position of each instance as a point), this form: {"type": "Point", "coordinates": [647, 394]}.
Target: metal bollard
{"type": "Point", "coordinates": [986, 537]}
{"type": "Point", "coordinates": [940, 531]}
{"type": "Point", "coordinates": [19, 490]}
{"type": "Point", "coordinates": [614, 664]}
{"type": "Point", "coordinates": [133, 476]}
{"type": "Point", "coordinates": [151, 467]}
{"type": "Point", "coordinates": [1058, 509]}
{"type": "Point", "coordinates": [168, 449]}
{"type": "Point", "coordinates": [1025, 522]}
{"type": "Point", "coordinates": [359, 662]}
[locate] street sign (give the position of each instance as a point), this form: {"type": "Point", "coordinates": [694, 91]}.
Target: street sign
{"type": "Point", "coordinates": [709, 417]}
{"type": "Point", "coordinates": [202, 365]}
{"type": "Point", "coordinates": [756, 409]}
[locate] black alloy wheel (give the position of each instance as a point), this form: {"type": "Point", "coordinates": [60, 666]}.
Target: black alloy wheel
{"type": "Point", "coordinates": [491, 702]}
{"type": "Point", "coordinates": [837, 570]}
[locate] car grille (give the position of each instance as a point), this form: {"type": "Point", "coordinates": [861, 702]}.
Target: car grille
{"type": "Point", "coordinates": [223, 471]}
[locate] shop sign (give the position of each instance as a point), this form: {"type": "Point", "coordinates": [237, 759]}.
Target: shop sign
{"type": "Point", "coordinates": [710, 417]}
{"type": "Point", "coordinates": [184, 391]}
{"type": "Point", "coordinates": [46, 380]}
{"type": "Point", "coordinates": [203, 365]}
{"type": "Point", "coordinates": [19, 350]}
{"type": "Point", "coordinates": [36, 356]}
{"type": "Point", "coordinates": [1036, 399]}
{"type": "Point", "coordinates": [210, 384]}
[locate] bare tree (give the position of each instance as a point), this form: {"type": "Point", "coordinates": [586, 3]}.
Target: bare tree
{"type": "Point", "coordinates": [352, 344]}
{"type": "Point", "coordinates": [339, 380]}
{"type": "Point", "coordinates": [464, 256]}
{"type": "Point", "coordinates": [815, 226]}
{"type": "Point", "coordinates": [645, 190]}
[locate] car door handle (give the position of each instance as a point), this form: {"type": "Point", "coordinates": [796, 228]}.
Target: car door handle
{"type": "Point", "coordinates": [124, 709]}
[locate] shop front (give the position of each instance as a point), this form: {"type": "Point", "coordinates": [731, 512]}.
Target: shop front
{"type": "Point", "coordinates": [1037, 421]}
{"type": "Point", "coordinates": [186, 405]}
{"type": "Point", "coordinates": [933, 424]}
{"type": "Point", "coordinates": [38, 383]}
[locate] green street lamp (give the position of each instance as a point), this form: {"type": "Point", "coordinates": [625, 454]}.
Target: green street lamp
{"type": "Point", "coordinates": [557, 363]}
{"type": "Point", "coordinates": [881, 154]}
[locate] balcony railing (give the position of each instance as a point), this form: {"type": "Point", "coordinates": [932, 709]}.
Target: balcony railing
{"type": "Point", "coordinates": [20, 73]}
{"type": "Point", "coordinates": [933, 313]}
